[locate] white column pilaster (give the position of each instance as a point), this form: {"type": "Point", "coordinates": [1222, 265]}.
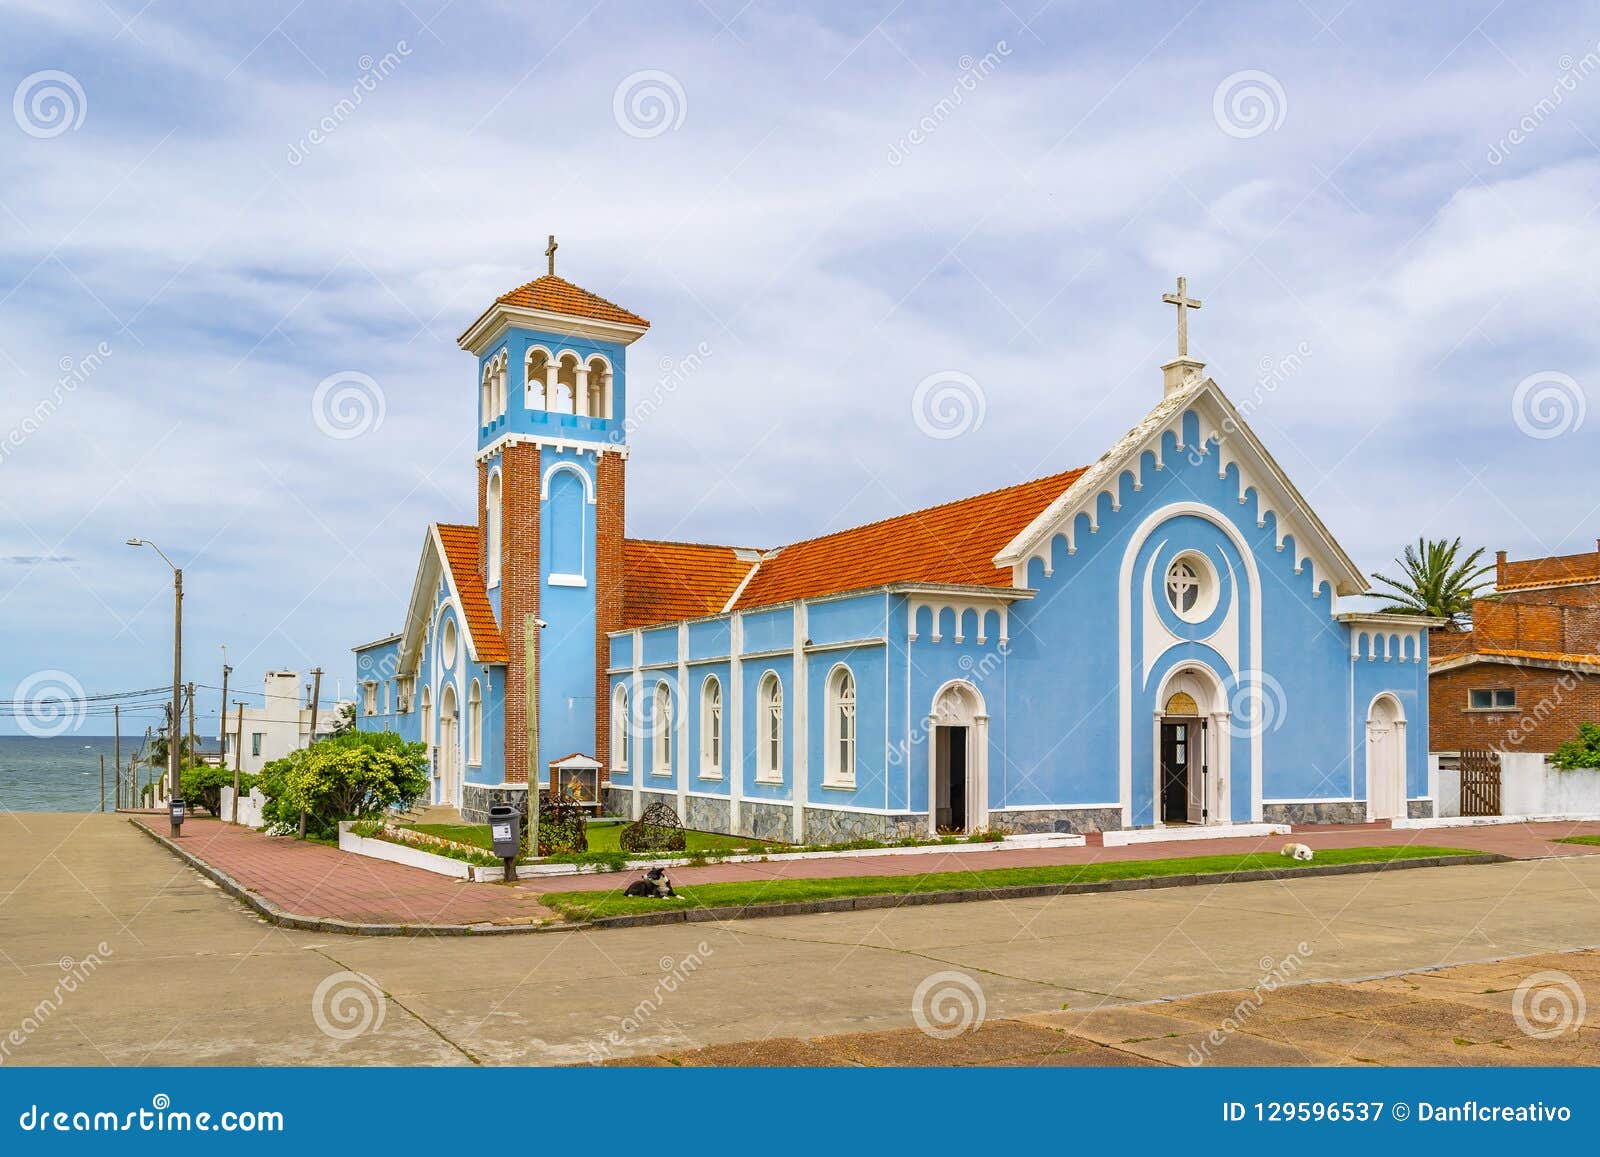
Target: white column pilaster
{"type": "Point", "coordinates": [681, 723]}
{"type": "Point", "coordinates": [802, 787]}
{"type": "Point", "coordinates": [733, 723]}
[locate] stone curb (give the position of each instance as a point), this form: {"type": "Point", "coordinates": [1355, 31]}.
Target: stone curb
{"type": "Point", "coordinates": [1026, 891]}
{"type": "Point", "coordinates": [272, 913]}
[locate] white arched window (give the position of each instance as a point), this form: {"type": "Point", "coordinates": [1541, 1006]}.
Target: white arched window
{"type": "Point", "coordinates": [840, 764]}
{"type": "Point", "coordinates": [475, 724]}
{"type": "Point", "coordinates": [486, 396]}
{"type": "Point", "coordinates": [493, 518]}
{"type": "Point", "coordinates": [769, 725]}
{"type": "Point", "coordinates": [599, 387]}
{"type": "Point", "coordinates": [619, 728]}
{"type": "Point", "coordinates": [447, 643]}
{"type": "Point", "coordinates": [661, 735]}
{"type": "Point", "coordinates": [535, 377]}
{"type": "Point", "coordinates": [711, 729]}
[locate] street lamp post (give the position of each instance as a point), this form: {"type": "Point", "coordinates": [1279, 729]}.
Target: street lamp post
{"type": "Point", "coordinates": [174, 788]}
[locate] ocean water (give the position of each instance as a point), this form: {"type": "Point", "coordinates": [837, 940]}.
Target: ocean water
{"type": "Point", "coordinates": [61, 774]}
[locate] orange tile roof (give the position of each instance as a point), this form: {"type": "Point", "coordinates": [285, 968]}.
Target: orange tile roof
{"type": "Point", "coordinates": [461, 552]}
{"type": "Point", "coordinates": [556, 295]}
{"type": "Point", "coordinates": [952, 543]}
{"type": "Point", "coordinates": [667, 581]}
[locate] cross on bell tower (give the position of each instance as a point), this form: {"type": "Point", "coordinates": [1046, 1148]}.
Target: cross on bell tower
{"type": "Point", "coordinates": [550, 252]}
{"type": "Point", "coordinates": [1182, 371]}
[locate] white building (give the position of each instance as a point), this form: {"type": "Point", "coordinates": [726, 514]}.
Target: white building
{"type": "Point", "coordinates": [279, 725]}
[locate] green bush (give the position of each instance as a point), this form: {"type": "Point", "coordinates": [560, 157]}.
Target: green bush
{"type": "Point", "coordinates": [202, 786]}
{"type": "Point", "coordinates": [1582, 752]}
{"type": "Point", "coordinates": [344, 777]}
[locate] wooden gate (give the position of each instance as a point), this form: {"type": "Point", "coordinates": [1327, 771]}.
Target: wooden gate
{"type": "Point", "coordinates": [1480, 783]}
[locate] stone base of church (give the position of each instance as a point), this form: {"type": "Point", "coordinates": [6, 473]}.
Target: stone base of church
{"type": "Point", "coordinates": [828, 826]}
{"type": "Point", "coordinates": [1080, 820]}
{"type": "Point", "coordinates": [1342, 811]}
{"type": "Point", "coordinates": [478, 798]}
{"type": "Point", "coordinates": [1337, 811]}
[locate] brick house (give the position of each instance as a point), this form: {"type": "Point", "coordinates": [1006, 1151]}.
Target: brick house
{"type": "Point", "coordinates": [1528, 672]}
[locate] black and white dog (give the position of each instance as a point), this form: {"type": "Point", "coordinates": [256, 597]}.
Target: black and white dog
{"type": "Point", "coordinates": [654, 886]}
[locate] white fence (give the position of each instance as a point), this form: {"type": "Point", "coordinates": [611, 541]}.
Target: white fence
{"type": "Point", "coordinates": [1529, 786]}
{"type": "Point", "coordinates": [249, 807]}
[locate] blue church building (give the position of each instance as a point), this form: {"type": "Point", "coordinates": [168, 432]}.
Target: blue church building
{"type": "Point", "coordinates": [1147, 642]}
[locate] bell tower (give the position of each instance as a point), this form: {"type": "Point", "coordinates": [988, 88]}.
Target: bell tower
{"type": "Point", "coordinates": [552, 448]}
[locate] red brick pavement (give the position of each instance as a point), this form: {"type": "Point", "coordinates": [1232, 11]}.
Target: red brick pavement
{"type": "Point", "coordinates": [315, 880]}
{"type": "Point", "coordinates": [309, 879]}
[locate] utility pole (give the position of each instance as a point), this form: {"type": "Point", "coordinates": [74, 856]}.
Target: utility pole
{"type": "Point", "coordinates": [102, 781]}
{"type": "Point", "coordinates": [222, 710]}
{"type": "Point", "coordinates": [174, 789]}
{"type": "Point", "coordinates": [238, 753]}
{"type": "Point", "coordinates": [316, 694]}
{"type": "Point", "coordinates": [316, 698]}
{"type": "Point", "coordinates": [116, 714]}
{"type": "Point", "coordinates": [191, 723]}
{"type": "Point", "coordinates": [530, 680]}
{"type": "Point", "coordinates": [177, 679]}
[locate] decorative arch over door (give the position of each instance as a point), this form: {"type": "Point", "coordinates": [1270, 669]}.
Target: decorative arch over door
{"type": "Point", "coordinates": [958, 759]}
{"type": "Point", "coordinates": [1190, 748]}
{"type": "Point", "coordinates": [1386, 758]}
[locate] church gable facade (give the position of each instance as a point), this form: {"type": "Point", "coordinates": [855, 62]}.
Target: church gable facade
{"type": "Point", "coordinates": [1147, 642]}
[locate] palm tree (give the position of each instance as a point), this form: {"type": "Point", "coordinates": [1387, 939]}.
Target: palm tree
{"type": "Point", "coordinates": [1436, 582]}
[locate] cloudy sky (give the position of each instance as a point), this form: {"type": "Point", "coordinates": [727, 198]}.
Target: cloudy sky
{"type": "Point", "coordinates": [1389, 211]}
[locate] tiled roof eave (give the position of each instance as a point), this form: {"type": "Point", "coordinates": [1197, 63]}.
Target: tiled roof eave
{"type": "Point", "coordinates": [1006, 594]}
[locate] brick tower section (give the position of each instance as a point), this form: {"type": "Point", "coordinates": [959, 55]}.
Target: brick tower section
{"type": "Point", "coordinates": [608, 521]}
{"type": "Point", "coordinates": [483, 520]}
{"type": "Point", "coordinates": [519, 593]}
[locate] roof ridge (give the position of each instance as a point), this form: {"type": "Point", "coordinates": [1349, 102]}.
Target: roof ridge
{"type": "Point", "coordinates": [552, 277]}
{"type": "Point", "coordinates": [934, 507]}
{"type": "Point", "coordinates": [686, 542]}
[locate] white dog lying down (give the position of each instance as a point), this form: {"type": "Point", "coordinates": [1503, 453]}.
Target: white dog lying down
{"type": "Point", "coordinates": [1297, 851]}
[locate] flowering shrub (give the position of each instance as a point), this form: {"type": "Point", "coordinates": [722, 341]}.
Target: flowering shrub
{"type": "Point", "coordinates": [344, 777]}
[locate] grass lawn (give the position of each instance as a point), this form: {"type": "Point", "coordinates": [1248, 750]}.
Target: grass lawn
{"type": "Point", "coordinates": [603, 837]}
{"type": "Point", "coordinates": [591, 905]}
{"type": "Point", "coordinates": [1591, 841]}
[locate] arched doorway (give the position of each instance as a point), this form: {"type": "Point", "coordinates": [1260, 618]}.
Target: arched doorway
{"type": "Point", "coordinates": [449, 748]}
{"type": "Point", "coordinates": [1188, 743]}
{"type": "Point", "coordinates": [958, 760]}
{"type": "Point", "coordinates": [1386, 759]}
